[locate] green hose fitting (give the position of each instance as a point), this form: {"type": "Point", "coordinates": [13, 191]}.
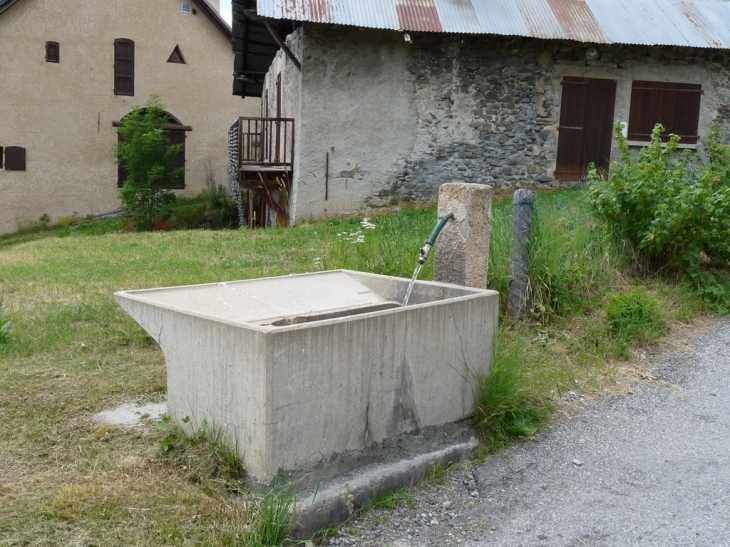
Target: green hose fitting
{"type": "Point", "coordinates": [426, 249]}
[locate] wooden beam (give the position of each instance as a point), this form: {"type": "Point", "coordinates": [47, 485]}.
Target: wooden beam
{"type": "Point", "coordinates": [282, 45]}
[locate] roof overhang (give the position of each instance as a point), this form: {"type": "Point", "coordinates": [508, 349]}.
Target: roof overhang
{"type": "Point", "coordinates": [255, 43]}
{"type": "Point", "coordinates": [682, 23]}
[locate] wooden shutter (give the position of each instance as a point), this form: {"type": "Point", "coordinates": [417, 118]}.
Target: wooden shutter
{"type": "Point", "coordinates": [676, 106]}
{"type": "Point", "coordinates": [14, 158]}
{"type": "Point", "coordinates": [178, 137]}
{"type": "Point", "coordinates": [123, 67]}
{"type": "Point", "coordinates": [586, 126]}
{"type": "Point", "coordinates": [573, 103]}
{"type": "Point", "coordinates": [53, 52]}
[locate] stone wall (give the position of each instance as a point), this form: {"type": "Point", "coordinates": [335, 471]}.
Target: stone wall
{"type": "Point", "coordinates": [488, 108]}
{"type": "Point", "coordinates": [398, 119]}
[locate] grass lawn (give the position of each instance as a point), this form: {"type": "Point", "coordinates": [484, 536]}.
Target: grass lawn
{"type": "Point", "coordinates": [66, 480]}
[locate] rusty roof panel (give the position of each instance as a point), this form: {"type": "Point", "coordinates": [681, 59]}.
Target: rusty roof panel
{"type": "Point", "coordinates": [658, 22]}
{"type": "Point", "coordinates": [694, 23]}
{"type": "Point", "coordinates": [717, 18]}
{"type": "Point", "coordinates": [540, 20]}
{"type": "Point", "coordinates": [418, 15]}
{"type": "Point", "coordinates": [698, 22]}
{"type": "Point", "coordinates": [578, 21]}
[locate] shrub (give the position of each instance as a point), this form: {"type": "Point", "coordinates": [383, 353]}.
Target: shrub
{"type": "Point", "coordinates": [671, 208]}
{"type": "Point", "coordinates": [149, 159]}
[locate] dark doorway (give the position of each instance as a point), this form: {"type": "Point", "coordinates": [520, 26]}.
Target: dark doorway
{"type": "Point", "coordinates": [586, 126]}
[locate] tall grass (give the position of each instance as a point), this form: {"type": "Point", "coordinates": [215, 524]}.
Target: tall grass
{"type": "Point", "coordinates": [507, 406]}
{"type": "Point", "coordinates": [573, 257]}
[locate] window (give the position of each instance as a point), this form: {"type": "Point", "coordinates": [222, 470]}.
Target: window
{"type": "Point", "coordinates": [53, 53]}
{"type": "Point", "coordinates": [1, 157]}
{"type": "Point", "coordinates": [176, 56]}
{"type": "Point", "coordinates": [123, 67]}
{"type": "Point", "coordinates": [14, 158]}
{"type": "Point", "coordinates": [175, 135]}
{"type": "Point", "coordinates": [676, 106]}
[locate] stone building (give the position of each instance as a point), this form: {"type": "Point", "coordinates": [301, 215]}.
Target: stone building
{"type": "Point", "coordinates": [395, 97]}
{"type": "Point", "coordinates": [70, 69]}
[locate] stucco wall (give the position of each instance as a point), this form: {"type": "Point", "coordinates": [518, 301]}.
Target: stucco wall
{"type": "Point", "coordinates": [400, 119]}
{"type": "Point", "coordinates": [357, 104]}
{"type": "Point", "coordinates": [63, 113]}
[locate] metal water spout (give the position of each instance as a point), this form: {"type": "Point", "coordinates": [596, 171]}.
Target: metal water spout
{"type": "Point", "coordinates": [426, 249]}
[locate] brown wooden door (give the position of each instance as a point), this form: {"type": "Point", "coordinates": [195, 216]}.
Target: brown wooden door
{"type": "Point", "coordinates": [586, 126]}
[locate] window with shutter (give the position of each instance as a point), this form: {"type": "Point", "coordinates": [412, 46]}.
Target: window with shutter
{"type": "Point", "coordinates": [123, 67]}
{"type": "Point", "coordinates": [14, 158]}
{"type": "Point", "coordinates": [674, 105]}
{"type": "Point", "coordinates": [53, 52]}
{"type": "Point", "coordinates": [178, 137]}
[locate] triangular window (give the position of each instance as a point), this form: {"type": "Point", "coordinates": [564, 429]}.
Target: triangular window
{"type": "Point", "coordinates": [176, 56]}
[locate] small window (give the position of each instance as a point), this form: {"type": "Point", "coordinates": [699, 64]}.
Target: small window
{"type": "Point", "coordinates": [123, 67]}
{"type": "Point", "coordinates": [14, 158]}
{"type": "Point", "coordinates": [1, 157]}
{"type": "Point", "coordinates": [176, 56]}
{"type": "Point", "coordinates": [186, 7]}
{"type": "Point", "coordinates": [674, 105]}
{"type": "Point", "coordinates": [53, 52]}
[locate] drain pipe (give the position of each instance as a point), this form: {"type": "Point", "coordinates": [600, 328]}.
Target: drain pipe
{"type": "Point", "coordinates": [426, 249]}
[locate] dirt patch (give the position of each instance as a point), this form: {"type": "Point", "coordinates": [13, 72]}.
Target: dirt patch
{"type": "Point", "coordinates": [129, 415]}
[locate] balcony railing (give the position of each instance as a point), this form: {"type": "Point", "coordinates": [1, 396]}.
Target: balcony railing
{"type": "Point", "coordinates": [265, 143]}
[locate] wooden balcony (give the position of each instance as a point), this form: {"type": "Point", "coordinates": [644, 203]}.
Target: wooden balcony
{"type": "Point", "coordinates": [265, 165]}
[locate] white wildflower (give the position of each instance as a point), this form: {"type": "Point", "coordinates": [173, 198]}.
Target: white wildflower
{"type": "Point", "coordinates": [365, 223]}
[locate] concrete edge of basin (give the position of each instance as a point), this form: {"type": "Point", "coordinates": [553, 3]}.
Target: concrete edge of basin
{"type": "Point", "coordinates": [329, 507]}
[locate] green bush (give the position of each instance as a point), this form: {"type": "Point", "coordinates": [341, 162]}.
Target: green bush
{"type": "Point", "coordinates": [671, 208]}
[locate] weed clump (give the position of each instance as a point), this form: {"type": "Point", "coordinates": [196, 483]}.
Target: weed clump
{"type": "Point", "coordinates": [204, 455]}
{"type": "Point", "coordinates": [4, 328]}
{"type": "Point", "coordinates": [505, 409]}
{"type": "Point", "coordinates": [274, 518]}
{"type": "Point", "coordinates": [633, 317]}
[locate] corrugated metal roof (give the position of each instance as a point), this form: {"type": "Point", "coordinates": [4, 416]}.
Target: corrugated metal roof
{"type": "Point", "coordinates": [695, 23]}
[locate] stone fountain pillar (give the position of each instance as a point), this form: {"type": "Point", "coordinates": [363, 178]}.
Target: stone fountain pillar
{"type": "Point", "coordinates": [462, 249]}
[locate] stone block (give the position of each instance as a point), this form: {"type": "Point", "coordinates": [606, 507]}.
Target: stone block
{"type": "Point", "coordinates": [462, 249]}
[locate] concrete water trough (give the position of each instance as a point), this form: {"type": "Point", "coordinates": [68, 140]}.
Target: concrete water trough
{"type": "Point", "coordinates": [291, 370]}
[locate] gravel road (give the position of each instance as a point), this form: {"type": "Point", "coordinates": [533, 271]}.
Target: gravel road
{"type": "Point", "coordinates": [650, 468]}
